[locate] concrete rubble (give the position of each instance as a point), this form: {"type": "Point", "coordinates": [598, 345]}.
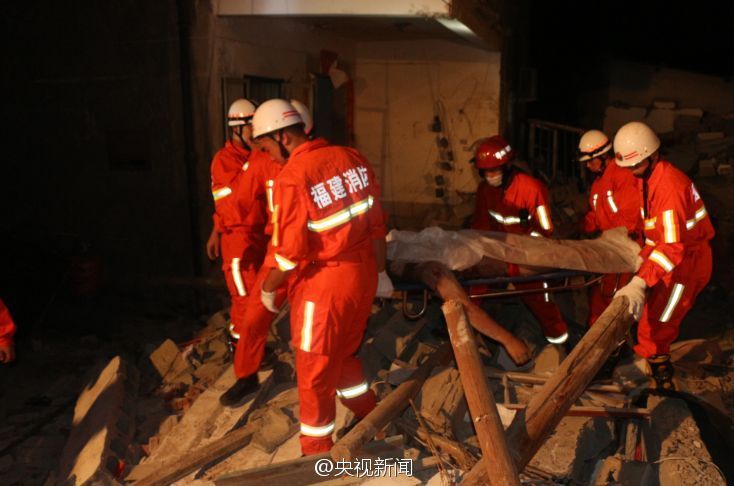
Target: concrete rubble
{"type": "Point", "coordinates": [133, 420]}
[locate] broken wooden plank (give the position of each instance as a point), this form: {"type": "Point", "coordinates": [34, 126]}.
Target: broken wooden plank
{"type": "Point", "coordinates": [531, 426]}
{"type": "Point", "coordinates": [587, 411]}
{"type": "Point", "coordinates": [387, 409]}
{"type": "Point", "coordinates": [455, 450]}
{"type": "Point", "coordinates": [498, 464]}
{"type": "Point", "coordinates": [532, 379]}
{"type": "Point", "coordinates": [188, 463]}
{"type": "Point", "coordinates": [441, 280]}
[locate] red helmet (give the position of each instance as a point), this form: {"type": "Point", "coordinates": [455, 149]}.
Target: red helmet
{"type": "Point", "coordinates": [493, 152]}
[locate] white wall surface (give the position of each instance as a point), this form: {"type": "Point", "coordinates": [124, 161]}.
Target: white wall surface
{"type": "Point", "coordinates": [399, 88]}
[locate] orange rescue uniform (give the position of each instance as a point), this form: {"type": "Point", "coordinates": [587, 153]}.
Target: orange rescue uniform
{"type": "Point", "coordinates": [240, 189]}
{"type": "Point", "coordinates": [327, 214]}
{"type": "Point", "coordinates": [676, 256]}
{"type": "Point", "coordinates": [614, 200]}
{"type": "Point", "coordinates": [499, 209]}
{"type": "Point", "coordinates": [7, 326]}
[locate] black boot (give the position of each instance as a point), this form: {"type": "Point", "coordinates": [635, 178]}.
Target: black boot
{"type": "Point", "coordinates": [241, 388]}
{"type": "Point", "coordinates": [662, 371]}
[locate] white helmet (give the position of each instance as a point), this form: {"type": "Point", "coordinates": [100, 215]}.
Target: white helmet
{"type": "Point", "coordinates": [303, 110]}
{"type": "Point", "coordinates": [240, 112]}
{"type": "Point", "coordinates": [593, 144]}
{"type": "Point", "coordinates": [273, 115]}
{"type": "Point", "coordinates": [633, 143]}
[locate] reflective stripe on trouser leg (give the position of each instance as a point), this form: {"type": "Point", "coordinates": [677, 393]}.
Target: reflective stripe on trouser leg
{"type": "Point", "coordinates": [673, 301]}
{"type": "Point", "coordinates": [353, 392]}
{"type": "Point", "coordinates": [315, 431]}
{"type": "Point", "coordinates": [237, 277]}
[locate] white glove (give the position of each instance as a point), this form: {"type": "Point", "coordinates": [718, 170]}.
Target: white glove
{"type": "Point", "coordinates": [635, 292]}
{"type": "Point", "coordinates": [268, 300]}
{"type": "Point", "coordinates": [384, 285]}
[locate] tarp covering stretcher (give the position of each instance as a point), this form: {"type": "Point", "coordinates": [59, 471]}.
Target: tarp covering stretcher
{"type": "Point", "coordinates": [612, 252]}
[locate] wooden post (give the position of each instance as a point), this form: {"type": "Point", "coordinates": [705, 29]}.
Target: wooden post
{"type": "Point", "coordinates": [387, 409]}
{"type": "Point", "coordinates": [531, 426]}
{"type": "Point", "coordinates": [487, 423]}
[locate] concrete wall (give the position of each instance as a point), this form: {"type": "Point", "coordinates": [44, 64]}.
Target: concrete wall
{"type": "Point", "coordinates": [399, 88]}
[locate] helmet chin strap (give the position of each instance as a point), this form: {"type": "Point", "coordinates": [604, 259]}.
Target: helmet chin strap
{"type": "Point", "coordinates": [283, 151]}
{"type": "Point", "coordinates": [238, 132]}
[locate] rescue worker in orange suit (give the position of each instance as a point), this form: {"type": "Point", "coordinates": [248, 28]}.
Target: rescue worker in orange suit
{"type": "Point", "coordinates": [329, 233]}
{"type": "Point", "coordinates": [252, 334]}
{"type": "Point", "coordinates": [239, 188]}
{"type": "Point", "coordinates": [614, 201]}
{"type": "Point", "coordinates": [676, 257]}
{"type": "Point", "coordinates": [7, 330]}
{"type": "Point", "coordinates": [511, 201]}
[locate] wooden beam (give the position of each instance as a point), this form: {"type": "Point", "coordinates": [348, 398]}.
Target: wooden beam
{"type": "Point", "coordinates": [388, 408]}
{"type": "Point", "coordinates": [441, 280]}
{"type": "Point", "coordinates": [183, 465]}
{"type": "Point", "coordinates": [482, 407]}
{"type": "Point", "coordinates": [549, 405]}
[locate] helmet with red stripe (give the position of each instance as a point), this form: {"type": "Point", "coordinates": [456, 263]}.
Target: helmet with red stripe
{"type": "Point", "coordinates": [633, 143]}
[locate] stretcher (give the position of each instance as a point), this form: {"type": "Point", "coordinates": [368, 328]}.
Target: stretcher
{"type": "Point", "coordinates": [554, 281]}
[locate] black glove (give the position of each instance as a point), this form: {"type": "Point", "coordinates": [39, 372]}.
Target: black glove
{"type": "Point", "coordinates": [524, 215]}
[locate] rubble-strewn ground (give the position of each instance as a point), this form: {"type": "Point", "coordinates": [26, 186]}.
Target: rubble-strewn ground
{"type": "Point", "coordinates": [173, 398]}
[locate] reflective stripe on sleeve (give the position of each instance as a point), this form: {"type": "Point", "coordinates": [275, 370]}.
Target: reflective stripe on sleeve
{"type": "Point", "coordinates": [312, 431]}
{"type": "Point", "coordinates": [659, 258]}
{"type": "Point", "coordinates": [673, 300]}
{"type": "Point", "coordinates": [220, 193]}
{"type": "Point", "coordinates": [670, 228]}
{"type": "Point", "coordinates": [269, 184]}
{"type": "Point", "coordinates": [543, 217]}
{"type": "Point", "coordinates": [612, 204]}
{"type": "Point", "coordinates": [284, 264]}
{"type": "Point", "coordinates": [354, 391]}
{"type": "Point", "coordinates": [343, 216]}
{"type": "Point", "coordinates": [307, 329]}
{"type": "Point", "coordinates": [700, 214]}
{"type": "Point", "coordinates": [237, 277]}
{"type": "Point", "coordinates": [275, 240]}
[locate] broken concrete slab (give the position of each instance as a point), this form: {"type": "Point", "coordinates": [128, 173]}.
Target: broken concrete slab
{"type": "Point", "coordinates": [661, 120]}
{"type": "Point", "coordinates": [673, 440]}
{"type": "Point", "coordinates": [620, 472]}
{"type": "Point", "coordinates": [164, 356]}
{"type": "Point", "coordinates": [575, 446]}
{"type": "Point", "coordinates": [103, 426]}
{"type": "Point", "coordinates": [442, 404]}
{"type": "Point", "coordinates": [275, 428]}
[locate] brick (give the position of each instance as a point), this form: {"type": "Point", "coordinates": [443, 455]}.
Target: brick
{"type": "Point", "coordinates": [275, 428]}
{"type": "Point", "coordinates": [164, 356]}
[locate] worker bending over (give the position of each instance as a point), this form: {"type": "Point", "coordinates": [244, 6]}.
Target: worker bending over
{"type": "Point", "coordinates": [676, 256]}
{"type": "Point", "coordinates": [613, 201]}
{"type": "Point", "coordinates": [512, 201]}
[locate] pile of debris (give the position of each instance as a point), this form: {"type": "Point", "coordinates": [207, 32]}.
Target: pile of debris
{"type": "Point", "coordinates": [445, 401]}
